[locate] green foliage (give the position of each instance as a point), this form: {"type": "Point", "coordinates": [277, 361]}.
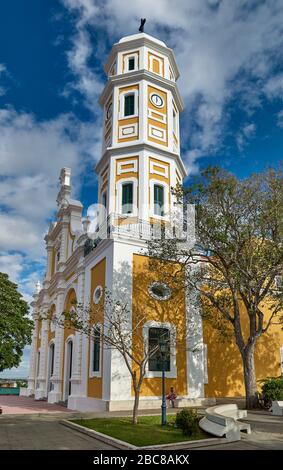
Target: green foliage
{"type": "Point", "coordinates": [147, 432]}
{"type": "Point", "coordinates": [187, 420]}
{"type": "Point", "coordinates": [272, 389]}
{"type": "Point", "coordinates": [15, 326]}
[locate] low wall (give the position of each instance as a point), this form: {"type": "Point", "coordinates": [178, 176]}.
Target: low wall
{"type": "Point", "coordinates": [9, 390]}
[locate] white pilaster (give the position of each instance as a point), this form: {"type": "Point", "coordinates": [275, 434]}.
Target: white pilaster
{"type": "Point", "coordinates": [49, 248]}
{"type": "Point", "coordinates": [32, 361]}
{"type": "Point", "coordinates": [41, 391]}
{"type": "Point", "coordinates": [77, 364]}
{"type": "Point", "coordinates": [195, 348]}
{"type": "Point", "coordinates": [55, 395]}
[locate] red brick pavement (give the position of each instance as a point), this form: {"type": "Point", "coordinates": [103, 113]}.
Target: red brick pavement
{"type": "Point", "coordinates": [27, 405]}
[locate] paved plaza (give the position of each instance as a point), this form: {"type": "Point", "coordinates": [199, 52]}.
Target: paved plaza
{"type": "Point", "coordinates": [35, 425]}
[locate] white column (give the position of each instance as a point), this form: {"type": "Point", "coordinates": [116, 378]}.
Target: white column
{"type": "Point", "coordinates": [64, 242]}
{"type": "Point", "coordinates": [77, 364]}
{"type": "Point", "coordinates": [41, 392]}
{"type": "Point", "coordinates": [55, 395]}
{"type": "Point", "coordinates": [49, 248]}
{"type": "Point", "coordinates": [195, 348]}
{"type": "Point", "coordinates": [32, 361]}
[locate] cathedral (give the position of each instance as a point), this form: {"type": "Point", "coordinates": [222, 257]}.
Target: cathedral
{"type": "Point", "coordinates": [140, 162]}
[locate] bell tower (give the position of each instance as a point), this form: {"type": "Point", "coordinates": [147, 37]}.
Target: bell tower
{"type": "Point", "coordinates": [141, 138]}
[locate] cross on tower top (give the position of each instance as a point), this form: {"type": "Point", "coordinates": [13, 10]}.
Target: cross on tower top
{"type": "Point", "coordinates": [141, 28]}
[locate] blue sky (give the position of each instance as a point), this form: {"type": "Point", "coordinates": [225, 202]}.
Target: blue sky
{"type": "Point", "coordinates": [51, 74]}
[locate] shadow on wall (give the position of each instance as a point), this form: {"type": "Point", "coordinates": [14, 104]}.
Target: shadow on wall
{"type": "Point", "coordinates": [225, 371]}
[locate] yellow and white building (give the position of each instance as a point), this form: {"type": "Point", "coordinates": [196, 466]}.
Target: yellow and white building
{"type": "Point", "coordinates": [140, 161]}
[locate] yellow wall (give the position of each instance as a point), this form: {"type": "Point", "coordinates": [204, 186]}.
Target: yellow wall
{"type": "Point", "coordinates": [225, 372]}
{"type": "Point", "coordinates": [94, 388]}
{"type": "Point", "coordinates": [156, 64]}
{"type": "Point", "coordinates": [171, 311]}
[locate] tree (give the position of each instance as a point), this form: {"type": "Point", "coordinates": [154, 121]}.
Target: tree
{"type": "Point", "coordinates": [15, 326]}
{"type": "Point", "coordinates": [236, 263]}
{"type": "Point", "coordinates": [109, 319]}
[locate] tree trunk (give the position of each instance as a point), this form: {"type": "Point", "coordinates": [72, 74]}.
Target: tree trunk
{"type": "Point", "coordinates": [136, 406]}
{"type": "Point", "coordinates": [250, 378]}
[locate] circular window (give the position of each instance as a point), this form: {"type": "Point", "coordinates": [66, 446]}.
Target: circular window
{"type": "Point", "coordinates": [97, 294]}
{"type": "Point", "coordinates": [160, 291]}
{"type": "Point", "coordinates": [156, 100]}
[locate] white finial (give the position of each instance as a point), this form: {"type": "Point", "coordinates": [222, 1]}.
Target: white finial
{"type": "Point", "coordinates": [37, 287]}
{"type": "Point", "coordinates": [65, 189]}
{"type": "Point", "coordinates": [86, 223]}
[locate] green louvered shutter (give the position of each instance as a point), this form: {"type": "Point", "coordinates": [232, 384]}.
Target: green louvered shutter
{"type": "Point", "coordinates": [127, 198]}
{"type": "Point", "coordinates": [158, 199]}
{"type": "Point", "coordinates": [129, 105]}
{"type": "Point", "coordinates": [96, 350]}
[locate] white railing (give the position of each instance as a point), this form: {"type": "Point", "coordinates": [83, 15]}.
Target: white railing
{"type": "Point", "coordinates": [117, 225]}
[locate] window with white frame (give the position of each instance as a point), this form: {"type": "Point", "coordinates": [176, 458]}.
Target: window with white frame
{"type": "Point", "coordinates": [96, 350]}
{"type": "Point", "coordinates": [131, 63]}
{"type": "Point", "coordinates": [158, 195]}
{"type": "Point", "coordinates": [129, 104]}
{"type": "Point", "coordinates": [157, 359]}
{"type": "Point", "coordinates": [127, 197]}
{"type": "Point", "coordinates": [104, 199]}
{"type": "Point", "coordinates": [175, 124]}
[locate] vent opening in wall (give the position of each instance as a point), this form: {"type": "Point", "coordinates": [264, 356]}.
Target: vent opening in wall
{"type": "Point", "coordinates": [131, 63]}
{"type": "Point", "coordinates": [97, 294]}
{"type": "Point", "coordinates": [159, 291]}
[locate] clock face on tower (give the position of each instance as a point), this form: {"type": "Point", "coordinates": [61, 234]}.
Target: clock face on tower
{"type": "Point", "coordinates": [156, 100]}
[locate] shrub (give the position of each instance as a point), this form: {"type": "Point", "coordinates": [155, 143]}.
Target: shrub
{"type": "Point", "coordinates": [187, 420]}
{"type": "Point", "coordinates": [272, 389]}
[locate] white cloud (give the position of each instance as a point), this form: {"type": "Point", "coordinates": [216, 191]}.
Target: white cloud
{"type": "Point", "coordinates": [245, 135]}
{"type": "Point", "coordinates": [31, 156]}
{"type": "Point", "coordinates": [220, 46]}
{"type": "Point", "coordinates": [280, 119]}
{"type": "Point", "coordinates": [274, 86]}
{"type": "Point", "coordinates": [11, 264]}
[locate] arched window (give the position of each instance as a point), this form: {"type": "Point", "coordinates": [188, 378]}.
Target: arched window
{"type": "Point", "coordinates": [129, 105]}
{"type": "Point", "coordinates": [127, 198]}
{"type": "Point", "coordinates": [158, 200]}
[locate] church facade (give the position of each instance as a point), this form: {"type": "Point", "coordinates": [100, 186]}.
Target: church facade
{"type": "Point", "coordinates": [139, 164]}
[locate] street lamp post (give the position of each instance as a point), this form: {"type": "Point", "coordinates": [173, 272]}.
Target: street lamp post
{"type": "Point", "coordinates": [163, 349]}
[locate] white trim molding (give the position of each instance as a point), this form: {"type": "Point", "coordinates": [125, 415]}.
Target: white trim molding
{"type": "Point", "coordinates": [127, 57]}
{"type": "Point", "coordinates": [122, 163]}
{"type": "Point", "coordinates": [155, 171]}
{"type": "Point", "coordinates": [157, 133]}
{"type": "Point", "coordinates": [172, 374]}
{"type": "Point", "coordinates": [128, 130]}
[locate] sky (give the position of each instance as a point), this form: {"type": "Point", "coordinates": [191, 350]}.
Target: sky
{"type": "Point", "coordinates": [51, 74]}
